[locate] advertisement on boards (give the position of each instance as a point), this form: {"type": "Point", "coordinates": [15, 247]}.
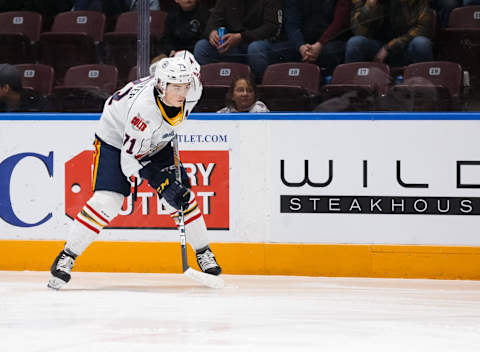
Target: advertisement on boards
{"type": "Point", "coordinates": [45, 178]}
{"type": "Point", "coordinates": [383, 182]}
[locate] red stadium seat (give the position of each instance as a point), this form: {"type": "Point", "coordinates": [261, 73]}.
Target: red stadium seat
{"type": "Point", "coordinates": [104, 77]}
{"type": "Point", "coordinates": [19, 35]}
{"type": "Point", "coordinates": [429, 86]}
{"type": "Point", "coordinates": [460, 41]}
{"type": "Point", "coordinates": [213, 99]}
{"type": "Point", "coordinates": [361, 82]}
{"type": "Point", "coordinates": [223, 73]}
{"type": "Point", "coordinates": [465, 17]}
{"type": "Point", "coordinates": [290, 86]}
{"type": "Point", "coordinates": [73, 41]}
{"type": "Point", "coordinates": [285, 98]}
{"type": "Point", "coordinates": [217, 79]}
{"type": "Point", "coordinates": [85, 88]}
{"type": "Point", "coordinates": [132, 74]}
{"type": "Point", "coordinates": [37, 77]}
{"type": "Point", "coordinates": [294, 74]}
{"type": "Point", "coordinates": [121, 45]}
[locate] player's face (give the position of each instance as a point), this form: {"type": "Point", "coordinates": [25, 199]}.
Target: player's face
{"type": "Point", "coordinates": [187, 5]}
{"type": "Point", "coordinates": [243, 95]}
{"type": "Point", "coordinates": [176, 94]}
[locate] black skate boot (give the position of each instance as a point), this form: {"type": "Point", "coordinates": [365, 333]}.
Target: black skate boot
{"type": "Point", "coordinates": [206, 261]}
{"type": "Point", "coordinates": [61, 269]}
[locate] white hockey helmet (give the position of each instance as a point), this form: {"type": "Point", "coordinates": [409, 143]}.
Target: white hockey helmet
{"type": "Point", "coordinates": [172, 70]}
{"type": "Point", "coordinates": [153, 67]}
{"type": "Point", "coordinates": [188, 56]}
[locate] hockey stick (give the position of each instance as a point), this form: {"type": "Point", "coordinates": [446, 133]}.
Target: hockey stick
{"type": "Point", "coordinates": [201, 277]}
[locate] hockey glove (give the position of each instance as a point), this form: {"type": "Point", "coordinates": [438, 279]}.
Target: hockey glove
{"type": "Point", "coordinates": [157, 179]}
{"type": "Point", "coordinates": [164, 182]}
{"type": "Point", "coordinates": [177, 195]}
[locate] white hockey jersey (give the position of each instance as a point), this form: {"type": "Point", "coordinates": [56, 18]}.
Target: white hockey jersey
{"type": "Point", "coordinates": [132, 122]}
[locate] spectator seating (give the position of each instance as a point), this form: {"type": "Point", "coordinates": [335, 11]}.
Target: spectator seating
{"type": "Point", "coordinates": [465, 17]}
{"type": "Point", "coordinates": [73, 41]}
{"type": "Point", "coordinates": [19, 36]}
{"type": "Point", "coordinates": [37, 77]}
{"type": "Point", "coordinates": [428, 86]}
{"type": "Point", "coordinates": [361, 83]}
{"type": "Point", "coordinates": [86, 87]}
{"type": "Point", "coordinates": [290, 86]}
{"type": "Point", "coordinates": [121, 45]}
{"type": "Point", "coordinates": [460, 41]}
{"type": "Point", "coordinates": [217, 79]}
{"type": "Point", "coordinates": [132, 74]}
{"type": "Point", "coordinates": [223, 73]}
{"type": "Point", "coordinates": [305, 75]}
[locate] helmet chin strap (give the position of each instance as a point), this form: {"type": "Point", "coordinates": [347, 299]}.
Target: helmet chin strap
{"type": "Point", "coordinates": [160, 94]}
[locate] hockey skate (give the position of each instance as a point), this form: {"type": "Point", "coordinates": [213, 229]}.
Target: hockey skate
{"type": "Point", "coordinates": [61, 269]}
{"type": "Point", "coordinates": [206, 261]}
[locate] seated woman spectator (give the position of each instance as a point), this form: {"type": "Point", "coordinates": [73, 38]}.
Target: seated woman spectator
{"type": "Point", "coordinates": [242, 97]}
{"type": "Point", "coordinates": [184, 26]}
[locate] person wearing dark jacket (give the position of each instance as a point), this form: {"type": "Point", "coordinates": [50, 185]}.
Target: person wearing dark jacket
{"type": "Point", "coordinates": [249, 25]}
{"type": "Point", "coordinates": [317, 31]}
{"type": "Point", "coordinates": [396, 32]}
{"type": "Point", "coordinates": [184, 26]}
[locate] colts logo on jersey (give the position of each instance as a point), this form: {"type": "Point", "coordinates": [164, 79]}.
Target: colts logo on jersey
{"type": "Point", "coordinates": [139, 123]}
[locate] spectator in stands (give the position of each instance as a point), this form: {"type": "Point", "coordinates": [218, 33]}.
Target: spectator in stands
{"type": "Point", "coordinates": [112, 7]}
{"type": "Point", "coordinates": [12, 95]}
{"type": "Point", "coordinates": [87, 5]}
{"type": "Point", "coordinates": [132, 4]}
{"type": "Point", "coordinates": [184, 26]}
{"type": "Point", "coordinates": [443, 9]}
{"type": "Point", "coordinates": [317, 31]}
{"type": "Point", "coordinates": [242, 97]}
{"type": "Point", "coordinates": [249, 24]}
{"type": "Point", "coordinates": [391, 31]}
{"type": "Point", "coordinates": [10, 88]}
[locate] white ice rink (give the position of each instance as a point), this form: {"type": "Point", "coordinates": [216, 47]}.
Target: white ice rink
{"type": "Point", "coordinates": [167, 312]}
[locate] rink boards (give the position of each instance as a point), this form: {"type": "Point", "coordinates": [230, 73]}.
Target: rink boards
{"type": "Point", "coordinates": [378, 195]}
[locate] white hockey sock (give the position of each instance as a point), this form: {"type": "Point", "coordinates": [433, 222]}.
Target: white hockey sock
{"type": "Point", "coordinates": [97, 213]}
{"type": "Point", "coordinates": [195, 227]}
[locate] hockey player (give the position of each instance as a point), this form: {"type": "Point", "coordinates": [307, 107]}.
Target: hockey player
{"type": "Point", "coordinates": [133, 139]}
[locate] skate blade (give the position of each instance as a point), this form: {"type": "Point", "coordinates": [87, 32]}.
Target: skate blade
{"type": "Point", "coordinates": [55, 283]}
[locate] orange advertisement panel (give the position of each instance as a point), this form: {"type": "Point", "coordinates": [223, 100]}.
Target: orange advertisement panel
{"type": "Point", "coordinates": [209, 176]}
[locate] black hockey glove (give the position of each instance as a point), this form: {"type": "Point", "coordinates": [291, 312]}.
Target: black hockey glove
{"type": "Point", "coordinates": [177, 195]}
{"type": "Point", "coordinates": [163, 160]}
{"type": "Point", "coordinates": [157, 179]}
{"type": "Point", "coordinates": [164, 182]}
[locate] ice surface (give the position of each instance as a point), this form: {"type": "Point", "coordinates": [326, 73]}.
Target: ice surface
{"type": "Point", "coordinates": [167, 312]}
